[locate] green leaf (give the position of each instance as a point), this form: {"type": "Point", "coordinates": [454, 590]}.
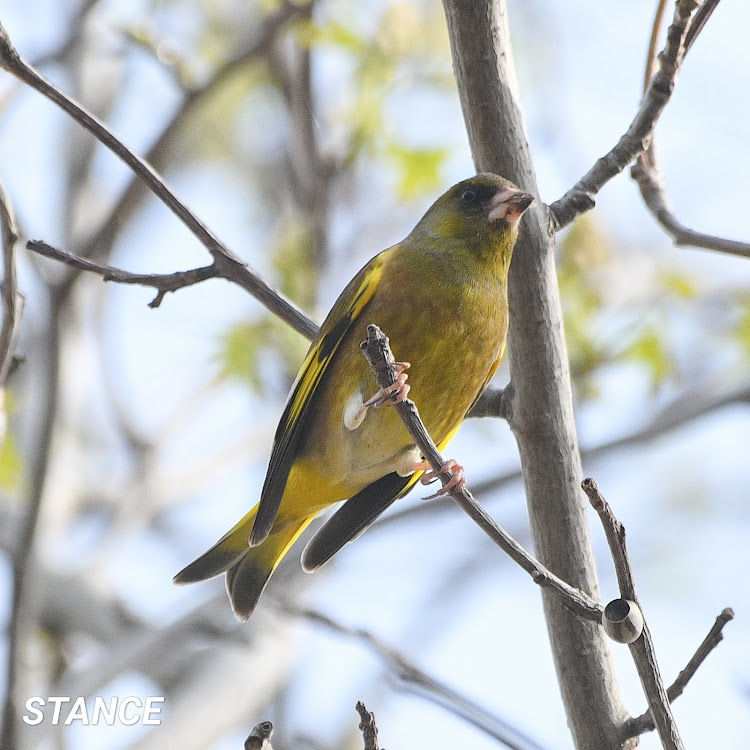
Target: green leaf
{"type": "Point", "coordinates": [292, 259]}
{"type": "Point", "coordinates": [650, 349]}
{"type": "Point", "coordinates": [10, 464]}
{"type": "Point", "coordinates": [583, 250]}
{"type": "Point", "coordinates": [419, 170]}
{"type": "Point", "coordinates": [246, 347]}
{"type": "Point", "coordinates": [679, 284]}
{"type": "Point", "coordinates": [240, 348]}
{"type": "Point", "coordinates": [333, 32]}
{"type": "Point", "coordinates": [742, 327]}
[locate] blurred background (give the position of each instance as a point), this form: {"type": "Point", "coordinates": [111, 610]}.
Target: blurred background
{"type": "Point", "coordinates": [145, 432]}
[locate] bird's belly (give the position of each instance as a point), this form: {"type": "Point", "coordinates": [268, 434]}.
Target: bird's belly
{"type": "Point", "coordinates": [444, 383]}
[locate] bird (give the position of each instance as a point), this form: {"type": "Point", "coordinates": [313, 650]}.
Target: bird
{"type": "Point", "coordinates": [440, 295]}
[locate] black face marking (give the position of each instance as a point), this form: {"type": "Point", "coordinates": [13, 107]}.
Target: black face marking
{"type": "Point", "coordinates": [468, 196]}
{"type": "Point", "coordinates": [476, 195]}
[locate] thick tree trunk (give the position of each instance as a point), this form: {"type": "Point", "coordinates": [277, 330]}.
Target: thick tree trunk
{"type": "Point", "coordinates": [541, 412]}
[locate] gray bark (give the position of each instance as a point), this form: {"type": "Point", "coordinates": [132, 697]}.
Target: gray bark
{"type": "Point", "coordinates": [541, 411]}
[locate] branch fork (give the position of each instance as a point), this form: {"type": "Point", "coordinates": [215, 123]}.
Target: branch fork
{"type": "Point", "coordinates": [623, 618]}
{"type": "Point", "coordinates": [625, 622]}
{"type": "Point", "coordinates": [637, 144]}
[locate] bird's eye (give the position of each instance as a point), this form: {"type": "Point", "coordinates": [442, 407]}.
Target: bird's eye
{"type": "Point", "coordinates": [468, 196]}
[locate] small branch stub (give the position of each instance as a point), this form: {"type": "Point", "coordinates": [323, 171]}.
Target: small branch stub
{"type": "Point", "coordinates": [368, 727]}
{"type": "Point", "coordinates": [260, 737]}
{"type": "Point", "coordinates": [623, 621]}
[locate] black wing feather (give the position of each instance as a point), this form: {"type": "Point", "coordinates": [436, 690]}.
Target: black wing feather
{"type": "Point", "coordinates": [291, 427]}
{"type": "Point", "coordinates": [353, 517]}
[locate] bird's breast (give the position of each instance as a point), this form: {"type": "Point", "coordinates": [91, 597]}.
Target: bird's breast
{"type": "Point", "coordinates": [452, 340]}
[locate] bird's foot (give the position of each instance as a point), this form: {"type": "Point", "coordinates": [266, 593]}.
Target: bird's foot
{"type": "Point", "coordinates": [395, 393]}
{"type": "Point", "coordinates": [355, 410]}
{"type": "Point", "coordinates": [456, 480]}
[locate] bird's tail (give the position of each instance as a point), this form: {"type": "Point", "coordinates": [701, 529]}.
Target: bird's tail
{"type": "Point", "coordinates": [248, 568]}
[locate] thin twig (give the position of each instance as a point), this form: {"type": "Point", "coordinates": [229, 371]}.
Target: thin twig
{"type": "Point", "coordinates": [410, 677]}
{"type": "Point", "coordinates": [683, 410]}
{"type": "Point", "coordinates": [647, 172]}
{"type": "Point", "coordinates": [230, 265]}
{"type": "Point", "coordinates": [24, 596]}
{"type": "Point", "coordinates": [12, 303]}
{"type": "Point", "coordinates": [651, 185]}
{"type": "Point", "coordinates": [378, 353]}
{"type": "Point", "coordinates": [642, 649]}
{"type": "Point", "coordinates": [163, 282]}
{"type": "Point", "coordinates": [580, 198]}
{"type": "Point", "coordinates": [661, 12]}
{"type": "Point", "coordinates": [368, 727]}
{"type": "Point", "coordinates": [615, 533]}
{"type": "Point", "coordinates": [12, 299]}
{"type": "Point", "coordinates": [699, 21]}
{"type": "Point", "coordinates": [252, 49]}
{"type": "Point", "coordinates": [645, 723]}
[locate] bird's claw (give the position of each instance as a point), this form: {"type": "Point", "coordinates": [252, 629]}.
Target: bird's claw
{"type": "Point", "coordinates": [456, 481]}
{"type": "Point", "coordinates": [395, 393]}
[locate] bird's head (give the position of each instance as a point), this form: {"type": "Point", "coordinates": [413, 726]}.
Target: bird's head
{"type": "Point", "coordinates": [485, 208]}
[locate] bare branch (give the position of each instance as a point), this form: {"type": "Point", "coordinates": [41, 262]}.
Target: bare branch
{"type": "Point", "coordinates": [24, 602]}
{"type": "Point", "coordinates": [647, 174]}
{"type": "Point", "coordinates": [410, 677]}
{"type": "Point", "coordinates": [699, 21]}
{"type": "Point", "coordinates": [615, 533]}
{"type": "Point", "coordinates": [540, 412]}
{"type": "Point", "coordinates": [580, 198]}
{"type": "Point", "coordinates": [163, 282]}
{"type": "Point", "coordinates": [102, 240]}
{"type": "Point", "coordinates": [683, 410]}
{"type": "Point", "coordinates": [653, 42]}
{"type": "Point", "coordinates": [231, 265]}
{"type": "Point", "coordinates": [367, 726]}
{"type": "Point", "coordinates": [494, 402]}
{"type": "Point", "coordinates": [646, 171]}
{"type": "Point", "coordinates": [12, 299]}
{"type": "Point", "coordinates": [378, 353]}
{"type": "Point", "coordinates": [642, 649]}
{"type": "Point", "coordinates": [645, 722]}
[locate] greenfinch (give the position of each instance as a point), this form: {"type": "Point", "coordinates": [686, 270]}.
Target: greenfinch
{"type": "Point", "coordinates": [441, 297]}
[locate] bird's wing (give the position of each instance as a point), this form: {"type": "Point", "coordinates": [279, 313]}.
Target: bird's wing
{"type": "Point", "coordinates": [490, 373]}
{"type": "Point", "coordinates": [353, 517]}
{"type": "Point", "coordinates": [359, 512]}
{"type": "Point", "coordinates": [348, 307]}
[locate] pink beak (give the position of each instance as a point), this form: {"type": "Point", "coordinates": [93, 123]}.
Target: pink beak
{"type": "Point", "coordinates": [509, 204]}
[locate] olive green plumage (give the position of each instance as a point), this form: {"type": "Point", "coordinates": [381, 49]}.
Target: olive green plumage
{"type": "Point", "coordinates": [441, 297]}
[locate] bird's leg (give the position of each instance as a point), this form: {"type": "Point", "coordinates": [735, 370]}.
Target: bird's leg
{"type": "Point", "coordinates": [355, 410]}
{"type": "Point", "coordinates": [458, 479]}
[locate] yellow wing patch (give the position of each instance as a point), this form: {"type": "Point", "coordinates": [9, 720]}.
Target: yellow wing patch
{"type": "Point", "coordinates": [347, 309]}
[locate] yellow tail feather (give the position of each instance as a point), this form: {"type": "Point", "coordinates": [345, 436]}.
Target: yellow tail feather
{"type": "Point", "coordinates": [248, 568]}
